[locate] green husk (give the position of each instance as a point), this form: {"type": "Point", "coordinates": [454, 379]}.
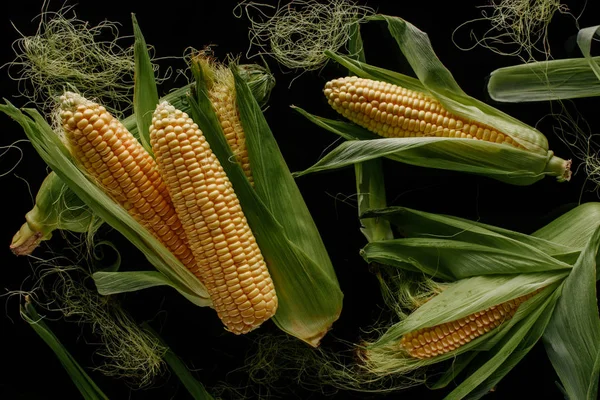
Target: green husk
{"type": "Point", "coordinates": [572, 339]}
{"type": "Point", "coordinates": [86, 386]}
{"type": "Point", "coordinates": [56, 207]}
{"type": "Point", "coordinates": [505, 163]}
{"type": "Point", "coordinates": [309, 296]}
{"type": "Point", "coordinates": [58, 158]}
{"type": "Point", "coordinates": [550, 80]}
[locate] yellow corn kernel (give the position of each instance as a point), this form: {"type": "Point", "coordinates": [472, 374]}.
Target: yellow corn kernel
{"type": "Point", "coordinates": [370, 104]}
{"type": "Point", "coordinates": [223, 98]}
{"type": "Point", "coordinates": [228, 259]}
{"type": "Point", "coordinates": [111, 155]}
{"type": "Point", "coordinates": [441, 339]}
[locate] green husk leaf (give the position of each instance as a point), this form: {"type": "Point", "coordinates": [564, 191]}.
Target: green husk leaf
{"type": "Point", "coordinates": [145, 94]}
{"type": "Point", "coordinates": [194, 387]}
{"type": "Point", "coordinates": [58, 158]}
{"type": "Point", "coordinates": [86, 386]}
{"type": "Point", "coordinates": [504, 163]}
{"type": "Point", "coordinates": [550, 80]}
{"type": "Point", "coordinates": [56, 207]}
{"type": "Point", "coordinates": [572, 338]}
{"type": "Point", "coordinates": [585, 37]}
{"type": "Point", "coordinates": [453, 259]}
{"type": "Point", "coordinates": [529, 340]}
{"type": "Point", "coordinates": [545, 80]}
{"type": "Point", "coordinates": [309, 295]}
{"type": "Point", "coordinates": [414, 223]}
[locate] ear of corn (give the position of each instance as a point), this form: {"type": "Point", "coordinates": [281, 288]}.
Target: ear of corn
{"type": "Point", "coordinates": [427, 122]}
{"type": "Point", "coordinates": [53, 151]}
{"type": "Point", "coordinates": [309, 296]}
{"type": "Point", "coordinates": [440, 339]}
{"type": "Point", "coordinates": [227, 257]}
{"type": "Point", "coordinates": [550, 80]}
{"type": "Point", "coordinates": [222, 95]}
{"type": "Point", "coordinates": [121, 166]}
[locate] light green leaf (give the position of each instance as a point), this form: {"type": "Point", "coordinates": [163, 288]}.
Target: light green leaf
{"type": "Point", "coordinates": [145, 94]}
{"type": "Point", "coordinates": [585, 37]}
{"type": "Point", "coordinates": [545, 80]}
{"type": "Point", "coordinates": [86, 386]}
{"type": "Point", "coordinates": [507, 164]}
{"type": "Point", "coordinates": [572, 338]}
{"type": "Point", "coordinates": [453, 259]}
{"type": "Point", "coordinates": [110, 282]}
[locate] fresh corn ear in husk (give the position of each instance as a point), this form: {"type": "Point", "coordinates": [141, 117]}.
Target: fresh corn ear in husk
{"type": "Point", "coordinates": [309, 297]}
{"type": "Point", "coordinates": [57, 207]}
{"type": "Point", "coordinates": [550, 80]}
{"type": "Point", "coordinates": [506, 290]}
{"type": "Point", "coordinates": [428, 121]}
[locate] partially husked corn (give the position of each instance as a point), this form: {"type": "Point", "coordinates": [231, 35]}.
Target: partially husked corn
{"type": "Point", "coordinates": [123, 168]}
{"type": "Point", "coordinates": [394, 112]}
{"type": "Point", "coordinates": [441, 339]}
{"type": "Point", "coordinates": [228, 259]}
{"type": "Point", "coordinates": [223, 98]}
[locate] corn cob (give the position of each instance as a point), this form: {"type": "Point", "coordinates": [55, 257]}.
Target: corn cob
{"type": "Point", "coordinates": [228, 259]}
{"type": "Point", "coordinates": [123, 168]}
{"type": "Point", "coordinates": [441, 339]}
{"type": "Point", "coordinates": [393, 111]}
{"type": "Point", "coordinates": [222, 96]}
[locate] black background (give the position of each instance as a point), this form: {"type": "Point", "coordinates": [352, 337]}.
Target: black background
{"type": "Point", "coordinates": [29, 370]}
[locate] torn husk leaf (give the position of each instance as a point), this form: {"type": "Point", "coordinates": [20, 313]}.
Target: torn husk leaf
{"type": "Point", "coordinates": [310, 299]}
{"type": "Point", "coordinates": [523, 163]}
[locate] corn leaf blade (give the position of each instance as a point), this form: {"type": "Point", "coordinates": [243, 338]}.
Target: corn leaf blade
{"type": "Point", "coordinates": [194, 387]}
{"type": "Point", "coordinates": [572, 338]}
{"type": "Point", "coordinates": [113, 282]}
{"type": "Point", "coordinates": [545, 80]}
{"type": "Point", "coordinates": [504, 163]}
{"type": "Point", "coordinates": [86, 386]}
{"type": "Point", "coordinates": [145, 93]}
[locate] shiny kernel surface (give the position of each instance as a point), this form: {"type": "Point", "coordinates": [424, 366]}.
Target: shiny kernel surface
{"type": "Point", "coordinates": [112, 156]}
{"type": "Point", "coordinates": [378, 103]}
{"type": "Point", "coordinates": [441, 339]}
